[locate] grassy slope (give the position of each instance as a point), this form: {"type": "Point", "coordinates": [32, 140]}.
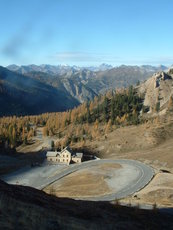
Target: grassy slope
{"type": "Point", "coordinates": [28, 208]}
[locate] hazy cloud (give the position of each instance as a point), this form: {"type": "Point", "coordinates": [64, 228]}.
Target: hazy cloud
{"type": "Point", "coordinates": [83, 57]}
{"type": "Point", "coordinates": [89, 58]}
{"type": "Point", "coordinates": [165, 60]}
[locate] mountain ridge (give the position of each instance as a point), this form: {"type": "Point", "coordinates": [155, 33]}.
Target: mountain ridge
{"type": "Point", "coordinates": [61, 69]}
{"type": "Point", "coordinates": [23, 95]}
{"type": "Point", "coordinates": [38, 92]}
{"type": "Point", "coordinates": [96, 82]}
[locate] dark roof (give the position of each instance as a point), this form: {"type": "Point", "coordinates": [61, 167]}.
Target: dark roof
{"type": "Point", "coordinates": [80, 155]}
{"type": "Point", "coordinates": [68, 149]}
{"type": "Point", "coordinates": [52, 154]}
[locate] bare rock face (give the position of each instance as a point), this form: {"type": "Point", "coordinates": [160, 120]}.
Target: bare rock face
{"type": "Point", "coordinates": [161, 76]}
{"type": "Point", "coordinates": [157, 89]}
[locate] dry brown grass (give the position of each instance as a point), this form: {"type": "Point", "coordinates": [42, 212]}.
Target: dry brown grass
{"type": "Point", "coordinates": [109, 166]}
{"type": "Point", "coordinates": [159, 191]}
{"type": "Point", "coordinates": [85, 183]}
{"type": "Point", "coordinates": [28, 208]}
{"type": "Point", "coordinates": [150, 143]}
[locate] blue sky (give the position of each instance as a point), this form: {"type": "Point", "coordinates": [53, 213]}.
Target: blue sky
{"type": "Point", "coordinates": [86, 32]}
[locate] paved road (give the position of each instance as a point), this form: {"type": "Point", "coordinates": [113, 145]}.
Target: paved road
{"type": "Point", "coordinates": [133, 183]}
{"type": "Point", "coordinates": [133, 176]}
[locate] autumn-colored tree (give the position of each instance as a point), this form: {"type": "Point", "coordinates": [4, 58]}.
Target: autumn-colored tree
{"type": "Point", "coordinates": [123, 119]}
{"type": "Point", "coordinates": [45, 131]}
{"type": "Point", "coordinates": [96, 125]}
{"type": "Point", "coordinates": [25, 141]}
{"type": "Point", "coordinates": [108, 127]}
{"type": "Point", "coordinates": [23, 134]}
{"type": "Point", "coordinates": [13, 137]}
{"type": "Point", "coordinates": [170, 104]}
{"type": "Point", "coordinates": [58, 145]}
{"type": "Point", "coordinates": [30, 134]}
{"type": "Point", "coordinates": [83, 122]}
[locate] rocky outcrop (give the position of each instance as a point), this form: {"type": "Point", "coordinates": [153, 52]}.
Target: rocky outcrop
{"type": "Point", "coordinates": [157, 90]}
{"type": "Point", "coordinates": [161, 76]}
{"type": "Point", "coordinates": [78, 90]}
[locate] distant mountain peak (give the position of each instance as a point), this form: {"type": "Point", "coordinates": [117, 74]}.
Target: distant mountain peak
{"type": "Point", "coordinates": [106, 65]}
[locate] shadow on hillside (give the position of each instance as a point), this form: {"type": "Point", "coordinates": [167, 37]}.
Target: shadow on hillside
{"type": "Point", "coordinates": [166, 210]}
{"type": "Point", "coordinates": [89, 154]}
{"type": "Point", "coordinates": [27, 203]}
{"type": "Point", "coordinates": [11, 160]}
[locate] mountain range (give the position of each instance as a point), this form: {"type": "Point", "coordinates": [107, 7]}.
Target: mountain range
{"type": "Point", "coordinates": [52, 69]}
{"type": "Point", "coordinates": [64, 69]}
{"type": "Point", "coordinates": [37, 89]}
{"type": "Point", "coordinates": [84, 83]}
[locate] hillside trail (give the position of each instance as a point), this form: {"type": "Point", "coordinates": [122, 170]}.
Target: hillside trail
{"type": "Point", "coordinates": [40, 142]}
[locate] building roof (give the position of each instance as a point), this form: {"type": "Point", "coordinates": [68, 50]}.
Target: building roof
{"type": "Point", "coordinates": [52, 154]}
{"type": "Point", "coordinates": [78, 155]}
{"type": "Point", "coordinates": [69, 150]}
{"type": "Point", "coordinates": [55, 153]}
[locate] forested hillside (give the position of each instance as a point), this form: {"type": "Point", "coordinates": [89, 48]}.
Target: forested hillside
{"type": "Point", "coordinates": [91, 119]}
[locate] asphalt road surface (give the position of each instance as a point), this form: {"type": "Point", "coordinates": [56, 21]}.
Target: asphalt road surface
{"type": "Point", "coordinates": [132, 177]}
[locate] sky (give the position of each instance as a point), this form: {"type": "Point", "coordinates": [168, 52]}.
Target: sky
{"type": "Point", "coordinates": [86, 32]}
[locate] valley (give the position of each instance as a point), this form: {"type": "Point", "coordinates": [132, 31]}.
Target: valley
{"type": "Point", "coordinates": [86, 115]}
{"type": "Point", "coordinates": [30, 90]}
{"type": "Point", "coordinates": [134, 142]}
{"type": "Point", "coordinates": [130, 136]}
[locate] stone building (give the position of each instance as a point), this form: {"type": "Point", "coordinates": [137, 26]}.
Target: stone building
{"type": "Point", "coordinates": [65, 156]}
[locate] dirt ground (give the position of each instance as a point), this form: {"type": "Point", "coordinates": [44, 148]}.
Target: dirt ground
{"type": "Point", "coordinates": [85, 183]}
{"type": "Point", "coordinates": [151, 143]}
{"type": "Point", "coordinates": [38, 143]}
{"type": "Point", "coordinates": [159, 191]}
